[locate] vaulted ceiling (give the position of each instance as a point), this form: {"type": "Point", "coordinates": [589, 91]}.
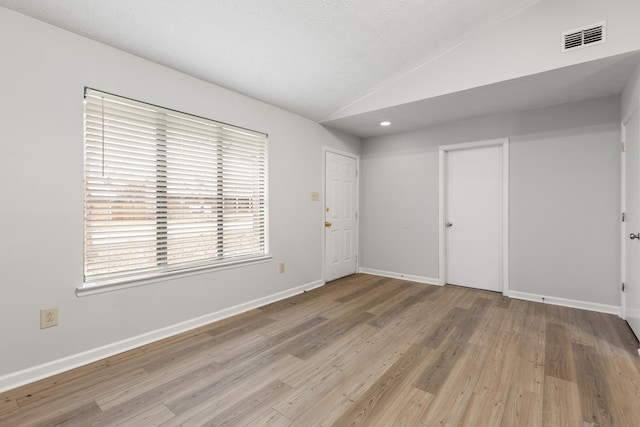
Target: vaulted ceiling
{"type": "Point", "coordinates": [315, 57]}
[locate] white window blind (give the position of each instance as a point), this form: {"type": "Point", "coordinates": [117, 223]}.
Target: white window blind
{"type": "Point", "coordinates": [167, 192]}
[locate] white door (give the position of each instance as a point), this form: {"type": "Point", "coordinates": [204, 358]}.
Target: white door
{"type": "Point", "coordinates": [340, 215]}
{"type": "Point", "coordinates": [473, 215]}
{"type": "Point", "coordinates": [632, 223]}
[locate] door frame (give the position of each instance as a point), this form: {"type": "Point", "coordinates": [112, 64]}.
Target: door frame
{"type": "Point", "coordinates": [442, 185]}
{"type": "Point", "coordinates": [326, 150]}
{"type": "Point", "coordinates": [623, 208]}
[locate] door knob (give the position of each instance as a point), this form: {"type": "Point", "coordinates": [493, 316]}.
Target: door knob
{"type": "Point", "coordinates": [449, 224]}
{"type": "Point", "coordinates": [634, 236]}
{"type": "Point", "coordinates": [327, 224]}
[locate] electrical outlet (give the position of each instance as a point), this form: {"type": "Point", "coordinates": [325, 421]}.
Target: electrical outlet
{"type": "Point", "coordinates": [48, 318]}
{"type": "Point", "coordinates": [282, 267]}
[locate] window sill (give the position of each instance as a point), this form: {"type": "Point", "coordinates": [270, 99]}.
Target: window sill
{"type": "Point", "coordinates": [102, 287]}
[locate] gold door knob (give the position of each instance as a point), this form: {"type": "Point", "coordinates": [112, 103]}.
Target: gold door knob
{"type": "Point", "coordinates": [327, 224]}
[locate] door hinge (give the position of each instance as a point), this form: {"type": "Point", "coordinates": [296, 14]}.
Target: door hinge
{"type": "Point", "coordinates": [624, 147]}
{"type": "Point", "coordinates": [623, 287]}
{"type": "Point", "coordinates": [623, 216]}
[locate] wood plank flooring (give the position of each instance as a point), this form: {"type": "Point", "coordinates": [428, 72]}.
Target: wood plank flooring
{"type": "Point", "coordinates": [361, 351]}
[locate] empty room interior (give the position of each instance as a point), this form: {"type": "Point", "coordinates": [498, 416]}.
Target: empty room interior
{"type": "Point", "coordinates": [301, 213]}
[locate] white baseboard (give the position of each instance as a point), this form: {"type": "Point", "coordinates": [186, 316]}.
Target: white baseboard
{"type": "Point", "coordinates": [584, 305]}
{"type": "Point", "coordinates": [29, 375]}
{"type": "Point", "coordinates": [392, 275]}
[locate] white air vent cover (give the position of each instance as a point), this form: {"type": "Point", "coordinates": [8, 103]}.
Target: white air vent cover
{"type": "Point", "coordinates": [585, 36]}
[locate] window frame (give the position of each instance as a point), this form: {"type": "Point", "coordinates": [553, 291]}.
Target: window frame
{"type": "Point", "coordinates": [164, 269]}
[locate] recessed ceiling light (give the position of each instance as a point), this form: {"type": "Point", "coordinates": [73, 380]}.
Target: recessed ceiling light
{"type": "Point", "coordinates": [385, 123]}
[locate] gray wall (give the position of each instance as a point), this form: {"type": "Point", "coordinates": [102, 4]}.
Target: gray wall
{"type": "Point", "coordinates": [629, 97]}
{"type": "Point", "coordinates": [629, 104]}
{"type": "Point", "coordinates": [43, 74]}
{"type": "Point", "coordinates": [564, 199]}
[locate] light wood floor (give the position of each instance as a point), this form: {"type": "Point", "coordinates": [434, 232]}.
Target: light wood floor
{"type": "Point", "coordinates": [365, 351]}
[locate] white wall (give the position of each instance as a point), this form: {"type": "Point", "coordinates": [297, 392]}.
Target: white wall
{"type": "Point", "coordinates": [630, 94]}
{"type": "Point", "coordinates": [44, 71]}
{"type": "Point", "coordinates": [564, 199]}
{"type": "Point", "coordinates": [526, 44]}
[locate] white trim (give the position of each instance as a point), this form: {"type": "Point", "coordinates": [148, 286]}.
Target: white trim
{"type": "Point", "coordinates": [35, 373]}
{"type": "Point", "coordinates": [623, 208]}
{"type": "Point", "coordinates": [442, 265]}
{"type": "Point", "coordinates": [505, 217]}
{"type": "Point", "coordinates": [393, 275]}
{"type": "Point", "coordinates": [340, 152]}
{"type": "Point", "coordinates": [442, 150]}
{"type": "Point", "coordinates": [356, 157]}
{"type": "Point", "coordinates": [563, 302]}
{"type": "Point", "coordinates": [100, 288]}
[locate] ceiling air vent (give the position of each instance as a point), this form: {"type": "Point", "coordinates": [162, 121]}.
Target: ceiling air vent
{"type": "Point", "coordinates": [585, 36]}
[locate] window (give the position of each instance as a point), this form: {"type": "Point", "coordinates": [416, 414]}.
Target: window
{"type": "Point", "coordinates": [166, 191]}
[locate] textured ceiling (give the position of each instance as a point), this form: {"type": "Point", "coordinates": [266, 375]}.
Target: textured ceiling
{"type": "Point", "coordinates": [593, 79]}
{"type": "Point", "coordinates": [311, 57]}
